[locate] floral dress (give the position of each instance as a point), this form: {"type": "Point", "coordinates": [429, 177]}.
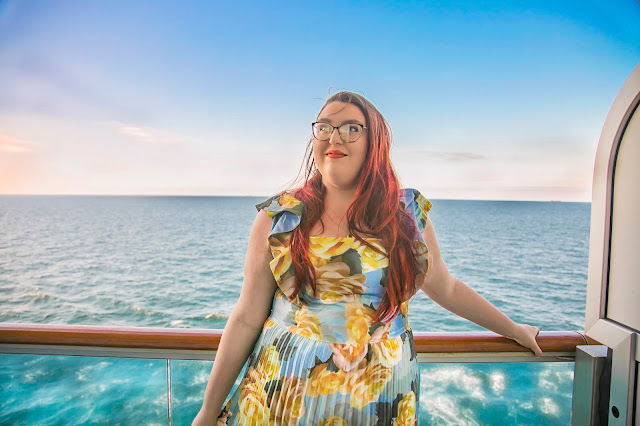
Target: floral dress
{"type": "Point", "coordinates": [320, 359]}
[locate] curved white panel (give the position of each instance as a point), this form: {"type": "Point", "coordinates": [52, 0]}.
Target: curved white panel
{"type": "Point", "coordinates": [612, 212]}
{"type": "Point", "coordinates": [623, 298]}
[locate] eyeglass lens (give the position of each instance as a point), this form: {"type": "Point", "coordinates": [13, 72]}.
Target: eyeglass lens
{"type": "Point", "coordinates": [349, 132]}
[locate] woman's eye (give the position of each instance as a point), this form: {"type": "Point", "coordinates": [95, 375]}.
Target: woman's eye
{"type": "Point", "coordinates": [353, 128]}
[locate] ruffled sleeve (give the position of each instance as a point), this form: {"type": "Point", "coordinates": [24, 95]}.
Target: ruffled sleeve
{"type": "Point", "coordinates": [280, 203]}
{"type": "Point", "coordinates": [286, 212]}
{"type": "Point", "coordinates": [417, 205]}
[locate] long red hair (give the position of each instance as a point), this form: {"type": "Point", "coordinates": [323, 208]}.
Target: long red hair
{"type": "Point", "coordinates": [375, 211]}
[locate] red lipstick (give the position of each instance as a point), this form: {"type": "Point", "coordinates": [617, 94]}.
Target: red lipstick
{"type": "Point", "coordinates": [336, 154]}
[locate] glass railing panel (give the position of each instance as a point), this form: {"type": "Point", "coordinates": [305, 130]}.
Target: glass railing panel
{"type": "Point", "coordinates": [496, 393]}
{"type": "Point", "coordinates": [44, 389]}
{"type": "Point", "coordinates": [450, 393]}
{"type": "Point", "coordinates": [188, 383]}
{"type": "Point", "coordinates": [53, 389]}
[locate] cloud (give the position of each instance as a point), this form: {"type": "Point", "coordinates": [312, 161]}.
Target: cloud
{"type": "Point", "coordinates": [147, 134]}
{"type": "Point", "coordinates": [14, 145]}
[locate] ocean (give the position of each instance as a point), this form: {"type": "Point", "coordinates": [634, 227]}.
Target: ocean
{"type": "Point", "coordinates": [165, 261]}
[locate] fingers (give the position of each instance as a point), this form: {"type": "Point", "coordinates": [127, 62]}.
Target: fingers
{"type": "Point", "coordinates": [533, 347]}
{"type": "Point", "coordinates": [528, 340]}
{"type": "Point", "coordinates": [536, 348]}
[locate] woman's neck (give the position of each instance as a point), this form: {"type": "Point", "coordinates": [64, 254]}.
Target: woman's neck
{"type": "Point", "coordinates": [338, 200]}
{"type": "Point", "coordinates": [336, 203]}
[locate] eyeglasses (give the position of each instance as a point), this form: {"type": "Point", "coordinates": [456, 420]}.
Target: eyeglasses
{"type": "Point", "coordinates": [349, 132]}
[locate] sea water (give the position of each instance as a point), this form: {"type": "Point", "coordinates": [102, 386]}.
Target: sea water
{"type": "Point", "coordinates": [177, 262]}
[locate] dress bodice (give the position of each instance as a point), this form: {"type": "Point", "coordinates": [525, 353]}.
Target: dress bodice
{"type": "Point", "coordinates": [350, 277]}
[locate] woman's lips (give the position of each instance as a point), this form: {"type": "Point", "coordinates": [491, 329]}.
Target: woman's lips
{"type": "Point", "coordinates": [335, 155]}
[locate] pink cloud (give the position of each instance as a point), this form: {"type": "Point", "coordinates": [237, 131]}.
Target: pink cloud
{"type": "Point", "coordinates": [14, 145]}
{"type": "Point", "coordinates": [147, 134]}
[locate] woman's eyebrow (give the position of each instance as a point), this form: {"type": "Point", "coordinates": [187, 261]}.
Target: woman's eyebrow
{"type": "Point", "coordinates": [349, 121]}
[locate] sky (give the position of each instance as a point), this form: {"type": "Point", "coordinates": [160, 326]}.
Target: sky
{"type": "Point", "coordinates": [494, 100]}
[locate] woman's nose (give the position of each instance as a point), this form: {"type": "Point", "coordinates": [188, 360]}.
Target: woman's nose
{"type": "Point", "coordinates": [335, 137]}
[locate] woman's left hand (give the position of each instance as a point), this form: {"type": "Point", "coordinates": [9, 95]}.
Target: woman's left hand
{"type": "Point", "coordinates": [526, 336]}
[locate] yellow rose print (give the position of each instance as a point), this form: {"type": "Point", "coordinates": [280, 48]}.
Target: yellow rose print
{"type": "Point", "coordinates": [420, 248]}
{"type": "Point", "coordinates": [371, 259]}
{"type": "Point", "coordinates": [286, 285]}
{"type": "Point", "coordinates": [425, 206]}
{"type": "Point", "coordinates": [404, 308]}
{"type": "Point", "coordinates": [279, 243]}
{"type": "Point", "coordinates": [268, 366]}
{"type": "Point", "coordinates": [387, 352]}
{"type": "Point", "coordinates": [308, 325]}
{"type": "Point", "coordinates": [353, 377]}
{"type": "Point", "coordinates": [253, 409]}
{"type": "Point", "coordinates": [323, 382]}
{"type": "Point", "coordinates": [323, 249]}
{"type": "Point", "coordinates": [360, 396]}
{"type": "Point", "coordinates": [334, 284]}
{"type": "Point", "coordinates": [376, 377]}
{"type": "Point", "coordinates": [254, 377]}
{"type": "Point", "coordinates": [287, 201]}
{"type": "Point", "coordinates": [359, 319]}
{"type": "Point", "coordinates": [422, 254]}
{"type": "Point", "coordinates": [406, 411]}
{"type": "Point", "coordinates": [290, 393]}
{"type": "Point", "coordinates": [333, 421]}
{"type": "Point", "coordinates": [268, 324]}
{"type": "Point", "coordinates": [280, 265]}
{"type": "Point", "coordinates": [369, 385]}
{"type": "Point", "coordinates": [347, 357]}
{"type": "Point", "coordinates": [252, 403]}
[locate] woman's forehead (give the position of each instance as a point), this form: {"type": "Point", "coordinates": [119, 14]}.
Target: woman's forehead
{"type": "Point", "coordinates": [341, 111]}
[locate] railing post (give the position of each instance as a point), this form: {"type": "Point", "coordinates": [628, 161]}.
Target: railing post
{"type": "Point", "coordinates": [591, 380]}
{"type": "Point", "coordinates": [169, 414]}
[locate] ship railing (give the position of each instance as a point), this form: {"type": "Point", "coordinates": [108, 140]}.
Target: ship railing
{"type": "Point", "coordinates": [183, 348]}
{"type": "Point", "coordinates": [201, 344]}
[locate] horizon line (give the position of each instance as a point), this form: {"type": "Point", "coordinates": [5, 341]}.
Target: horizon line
{"type": "Point", "coordinates": [245, 195]}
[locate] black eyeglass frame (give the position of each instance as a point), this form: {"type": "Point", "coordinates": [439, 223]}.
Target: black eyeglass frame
{"type": "Point", "coordinates": [362, 127]}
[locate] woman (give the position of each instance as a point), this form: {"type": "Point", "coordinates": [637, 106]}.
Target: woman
{"type": "Point", "coordinates": [322, 316]}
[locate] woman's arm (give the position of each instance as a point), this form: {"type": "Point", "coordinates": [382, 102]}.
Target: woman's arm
{"type": "Point", "coordinates": [245, 322]}
{"type": "Point", "coordinates": [455, 296]}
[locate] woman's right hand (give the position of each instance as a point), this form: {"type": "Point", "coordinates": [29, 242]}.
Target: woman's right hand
{"type": "Point", "coordinates": [526, 337]}
{"type": "Point", "coordinates": [204, 418]}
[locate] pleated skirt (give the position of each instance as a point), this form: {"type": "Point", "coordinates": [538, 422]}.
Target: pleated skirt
{"type": "Point", "coordinates": [291, 379]}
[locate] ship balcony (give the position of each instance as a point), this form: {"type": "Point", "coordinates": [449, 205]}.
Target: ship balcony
{"type": "Point", "coordinates": [106, 374]}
